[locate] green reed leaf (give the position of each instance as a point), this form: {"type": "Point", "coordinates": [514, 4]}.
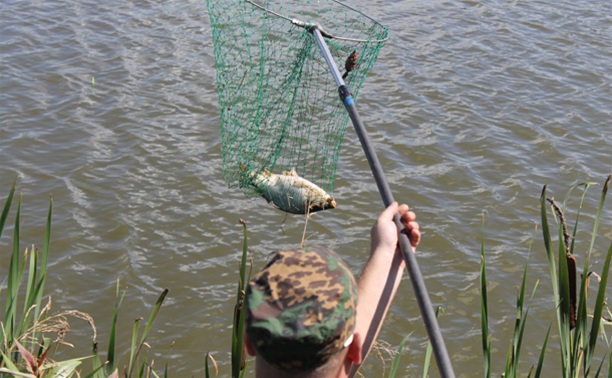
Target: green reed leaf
{"type": "Point", "coordinates": [548, 244]}
{"type": "Point", "coordinates": [7, 207]}
{"type": "Point", "coordinates": [44, 259]}
{"type": "Point", "coordinates": [512, 358]}
{"type": "Point", "coordinates": [13, 282]}
{"type": "Point", "coordinates": [602, 199]}
{"type": "Point", "coordinates": [154, 312]}
{"type": "Point", "coordinates": [31, 258]}
{"type": "Point", "coordinates": [484, 311]}
{"type": "Point", "coordinates": [598, 371]}
{"type": "Point", "coordinates": [65, 368]}
{"type": "Point", "coordinates": [597, 312]}
{"type": "Point", "coordinates": [564, 310]}
{"type": "Point", "coordinates": [542, 353]}
{"type": "Point", "coordinates": [97, 369]}
{"type": "Point", "coordinates": [552, 267]}
{"type": "Point", "coordinates": [206, 369]}
{"type": "Point", "coordinates": [238, 352]}
{"type": "Point", "coordinates": [133, 349]}
{"type": "Point", "coordinates": [209, 357]}
{"type": "Point", "coordinates": [143, 366]}
{"type": "Point", "coordinates": [429, 350]}
{"type": "Point", "coordinates": [8, 362]}
{"type": "Point", "coordinates": [110, 356]}
{"type": "Point", "coordinates": [145, 333]}
{"type": "Point", "coordinates": [398, 354]}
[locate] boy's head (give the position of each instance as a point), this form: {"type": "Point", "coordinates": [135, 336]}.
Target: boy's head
{"type": "Point", "coordinates": [301, 309]}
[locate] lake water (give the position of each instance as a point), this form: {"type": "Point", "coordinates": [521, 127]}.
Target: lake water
{"type": "Point", "coordinates": [473, 107]}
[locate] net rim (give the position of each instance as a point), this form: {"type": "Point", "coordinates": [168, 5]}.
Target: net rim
{"type": "Point", "coordinates": [309, 26]}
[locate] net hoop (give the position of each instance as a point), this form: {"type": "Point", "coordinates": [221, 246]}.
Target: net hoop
{"type": "Point", "coordinates": [326, 34]}
{"type": "Point", "coordinates": [279, 106]}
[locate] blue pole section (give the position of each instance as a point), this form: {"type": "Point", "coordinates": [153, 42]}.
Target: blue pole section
{"type": "Point", "coordinates": [416, 278]}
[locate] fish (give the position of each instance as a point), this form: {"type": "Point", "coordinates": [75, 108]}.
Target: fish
{"type": "Point", "coordinates": [289, 192]}
{"type": "Point", "coordinates": [351, 63]}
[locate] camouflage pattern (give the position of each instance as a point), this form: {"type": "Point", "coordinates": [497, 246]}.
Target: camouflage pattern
{"type": "Point", "coordinates": [301, 308]}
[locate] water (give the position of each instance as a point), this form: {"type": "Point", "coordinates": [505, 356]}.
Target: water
{"type": "Point", "coordinates": [472, 106]}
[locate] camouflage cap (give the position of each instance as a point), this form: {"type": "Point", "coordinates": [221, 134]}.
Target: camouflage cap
{"type": "Point", "coordinates": [301, 308]}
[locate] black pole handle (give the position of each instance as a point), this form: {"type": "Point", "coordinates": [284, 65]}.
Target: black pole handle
{"type": "Point", "coordinates": [418, 283]}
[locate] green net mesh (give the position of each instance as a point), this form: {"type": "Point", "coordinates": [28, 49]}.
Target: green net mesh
{"type": "Point", "coordinates": [278, 102]}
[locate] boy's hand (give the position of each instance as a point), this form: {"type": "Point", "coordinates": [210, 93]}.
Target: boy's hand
{"type": "Point", "coordinates": [384, 232]}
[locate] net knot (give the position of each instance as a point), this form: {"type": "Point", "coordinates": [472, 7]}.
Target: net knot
{"type": "Point", "coordinates": [310, 26]}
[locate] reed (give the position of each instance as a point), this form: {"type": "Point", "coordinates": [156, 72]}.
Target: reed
{"type": "Point", "coordinates": [238, 349]}
{"type": "Point", "coordinates": [20, 328]}
{"type": "Point", "coordinates": [400, 348]}
{"type": "Point", "coordinates": [26, 348]}
{"type": "Point", "coordinates": [578, 326]}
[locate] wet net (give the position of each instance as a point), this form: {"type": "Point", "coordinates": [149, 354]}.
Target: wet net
{"type": "Point", "coordinates": [278, 102]}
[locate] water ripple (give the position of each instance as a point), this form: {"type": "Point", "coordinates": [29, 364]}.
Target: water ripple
{"type": "Point", "coordinates": [473, 107]}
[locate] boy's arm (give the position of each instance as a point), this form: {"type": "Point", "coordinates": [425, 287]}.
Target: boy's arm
{"type": "Point", "coordinates": [384, 269]}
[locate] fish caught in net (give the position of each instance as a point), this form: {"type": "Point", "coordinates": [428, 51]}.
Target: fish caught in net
{"type": "Point", "coordinates": [279, 105]}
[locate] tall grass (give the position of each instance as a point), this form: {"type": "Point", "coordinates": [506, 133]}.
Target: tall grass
{"type": "Point", "coordinates": [238, 350]}
{"type": "Point", "coordinates": [578, 325]}
{"type": "Point", "coordinates": [18, 328]}
{"type": "Point", "coordinates": [26, 346]}
{"type": "Point", "coordinates": [26, 327]}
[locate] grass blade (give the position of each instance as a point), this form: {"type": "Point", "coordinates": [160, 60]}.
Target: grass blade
{"type": "Point", "coordinates": [13, 283]}
{"type": "Point", "coordinates": [110, 356]}
{"type": "Point", "coordinates": [34, 287]}
{"type": "Point", "coordinates": [7, 207]}
{"type": "Point", "coordinates": [513, 357]}
{"type": "Point", "coordinates": [567, 359]}
{"type": "Point", "coordinates": [562, 323]}
{"type": "Point", "coordinates": [65, 368]}
{"type": "Point", "coordinates": [398, 355]}
{"type": "Point", "coordinates": [429, 350]}
{"type": "Point", "coordinates": [541, 359]}
{"type": "Point", "coordinates": [206, 370]}
{"type": "Point", "coordinates": [238, 350]}
{"type": "Point", "coordinates": [589, 347]}
{"type": "Point", "coordinates": [598, 372]}
{"type": "Point", "coordinates": [548, 244]}
{"type": "Point", "coordinates": [44, 258]}
{"type": "Point", "coordinates": [206, 367]}
{"type": "Point", "coordinates": [30, 289]}
{"type": "Point", "coordinates": [484, 311]}
{"type": "Point", "coordinates": [602, 199]}
{"type": "Point", "coordinates": [597, 313]}
{"type": "Point", "coordinates": [97, 369]}
{"type": "Point", "coordinates": [153, 315]}
{"type": "Point", "coordinates": [135, 351]}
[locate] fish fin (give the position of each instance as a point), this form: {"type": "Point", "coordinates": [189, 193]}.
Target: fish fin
{"type": "Point", "coordinates": [291, 173]}
{"type": "Point", "coordinates": [274, 205]}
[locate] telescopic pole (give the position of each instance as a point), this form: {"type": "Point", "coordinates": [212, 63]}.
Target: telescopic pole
{"type": "Point", "coordinates": [418, 283]}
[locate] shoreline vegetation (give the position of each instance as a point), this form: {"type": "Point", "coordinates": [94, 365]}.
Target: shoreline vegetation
{"type": "Point", "coordinates": [30, 334]}
{"type": "Point", "coordinates": [580, 320]}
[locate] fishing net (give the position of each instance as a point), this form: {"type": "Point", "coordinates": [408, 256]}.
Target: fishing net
{"type": "Point", "coordinates": [278, 102]}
